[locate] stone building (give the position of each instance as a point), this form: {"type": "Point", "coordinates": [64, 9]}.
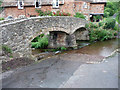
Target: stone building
{"type": "Point", "coordinates": [27, 8]}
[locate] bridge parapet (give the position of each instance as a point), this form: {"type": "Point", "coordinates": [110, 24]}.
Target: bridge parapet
{"type": "Point", "coordinates": [18, 34]}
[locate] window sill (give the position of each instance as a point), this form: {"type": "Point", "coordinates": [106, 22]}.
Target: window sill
{"type": "Point", "coordinates": [20, 8]}
{"type": "Point", "coordinates": [37, 7]}
{"type": "Point", "coordinates": [56, 7]}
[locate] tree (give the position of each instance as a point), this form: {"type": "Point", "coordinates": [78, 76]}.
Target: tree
{"type": "Point", "coordinates": [0, 5]}
{"type": "Point", "coordinates": [118, 13]}
{"type": "Point", "coordinates": [111, 8]}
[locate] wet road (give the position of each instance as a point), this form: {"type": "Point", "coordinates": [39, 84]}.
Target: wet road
{"type": "Point", "coordinates": [64, 69]}
{"type": "Point", "coordinates": [102, 75]}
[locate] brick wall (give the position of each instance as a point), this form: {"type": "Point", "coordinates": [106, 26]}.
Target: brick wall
{"type": "Point", "coordinates": [97, 8]}
{"type": "Point", "coordinates": [15, 12]}
{"type": "Point", "coordinates": [69, 6]}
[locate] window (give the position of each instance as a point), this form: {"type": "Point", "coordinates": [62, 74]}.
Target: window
{"type": "Point", "coordinates": [62, 1]}
{"type": "Point", "coordinates": [85, 5]}
{"type": "Point", "coordinates": [20, 4]}
{"type": "Point", "coordinates": [37, 3]}
{"type": "Point", "coordinates": [55, 3]}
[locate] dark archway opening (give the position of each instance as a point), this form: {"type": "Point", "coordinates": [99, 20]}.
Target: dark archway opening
{"type": "Point", "coordinates": [82, 37]}
{"type": "Point", "coordinates": [59, 39]}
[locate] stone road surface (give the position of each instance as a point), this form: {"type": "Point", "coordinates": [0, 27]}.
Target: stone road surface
{"type": "Point", "coordinates": [65, 71]}
{"type": "Point", "coordinates": [102, 75]}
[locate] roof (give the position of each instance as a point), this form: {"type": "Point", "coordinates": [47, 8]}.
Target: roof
{"type": "Point", "coordinates": [99, 1]}
{"type": "Point", "coordinates": [8, 3]}
{"type": "Point", "coordinates": [85, 0]}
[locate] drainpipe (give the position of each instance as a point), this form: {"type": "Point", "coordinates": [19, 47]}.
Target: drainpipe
{"type": "Point", "coordinates": [25, 12]}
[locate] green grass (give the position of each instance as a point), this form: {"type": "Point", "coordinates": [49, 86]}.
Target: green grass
{"type": "Point", "coordinates": [6, 48]}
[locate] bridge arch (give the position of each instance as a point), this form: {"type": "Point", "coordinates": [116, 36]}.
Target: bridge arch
{"type": "Point", "coordinates": [81, 34]}
{"type": "Point", "coordinates": [18, 34]}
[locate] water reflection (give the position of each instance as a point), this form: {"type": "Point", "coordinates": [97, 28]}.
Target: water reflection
{"type": "Point", "coordinates": [102, 48]}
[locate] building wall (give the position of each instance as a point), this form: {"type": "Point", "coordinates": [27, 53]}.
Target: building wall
{"type": "Point", "coordinates": [69, 6]}
{"type": "Point", "coordinates": [96, 8]}
{"type": "Point", "coordinates": [15, 12]}
{"type": "Point", "coordinates": [79, 7]}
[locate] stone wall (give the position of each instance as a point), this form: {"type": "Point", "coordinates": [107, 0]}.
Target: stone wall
{"type": "Point", "coordinates": [19, 34]}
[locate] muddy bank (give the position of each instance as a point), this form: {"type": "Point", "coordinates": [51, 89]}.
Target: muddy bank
{"type": "Point", "coordinates": [15, 63]}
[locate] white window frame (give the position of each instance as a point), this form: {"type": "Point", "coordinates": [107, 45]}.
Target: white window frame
{"type": "Point", "coordinates": [20, 6]}
{"type": "Point", "coordinates": [62, 1]}
{"type": "Point", "coordinates": [85, 5]}
{"type": "Point", "coordinates": [39, 3]}
{"type": "Point", "coordinates": [55, 3]}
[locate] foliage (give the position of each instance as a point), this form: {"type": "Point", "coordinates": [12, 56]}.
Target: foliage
{"type": "Point", "coordinates": [117, 28]}
{"type": "Point", "coordinates": [58, 13]}
{"type": "Point", "coordinates": [91, 25]}
{"type": "Point", "coordinates": [108, 12]}
{"type": "Point", "coordinates": [40, 42]}
{"type": "Point", "coordinates": [111, 8]}
{"type": "Point", "coordinates": [6, 49]}
{"type": "Point", "coordinates": [101, 34]}
{"type": "Point", "coordinates": [97, 17]}
{"type": "Point", "coordinates": [1, 19]}
{"type": "Point", "coordinates": [49, 13]}
{"type": "Point", "coordinates": [41, 13]}
{"type": "Point", "coordinates": [108, 23]}
{"type": "Point", "coordinates": [118, 17]}
{"type": "Point", "coordinates": [0, 4]}
{"type": "Point", "coordinates": [63, 48]}
{"type": "Point", "coordinates": [79, 15]}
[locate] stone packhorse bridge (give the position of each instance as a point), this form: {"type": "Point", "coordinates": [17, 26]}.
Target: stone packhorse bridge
{"type": "Point", "coordinates": [64, 31]}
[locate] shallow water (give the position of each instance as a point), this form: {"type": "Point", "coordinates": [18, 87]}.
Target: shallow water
{"type": "Point", "coordinates": [101, 48]}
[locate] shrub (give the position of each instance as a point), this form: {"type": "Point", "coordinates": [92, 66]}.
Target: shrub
{"type": "Point", "coordinates": [79, 15]}
{"type": "Point", "coordinates": [63, 48]}
{"type": "Point", "coordinates": [91, 25]}
{"type": "Point", "coordinates": [101, 34]}
{"type": "Point", "coordinates": [118, 17]}
{"type": "Point", "coordinates": [110, 9]}
{"type": "Point", "coordinates": [108, 12]}
{"type": "Point", "coordinates": [1, 19]}
{"type": "Point", "coordinates": [101, 23]}
{"type": "Point", "coordinates": [109, 23]}
{"type": "Point", "coordinates": [97, 17]}
{"type": "Point", "coordinates": [41, 42]}
{"type": "Point", "coordinates": [117, 28]}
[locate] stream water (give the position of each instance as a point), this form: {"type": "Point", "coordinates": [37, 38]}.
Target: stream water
{"type": "Point", "coordinates": [101, 48]}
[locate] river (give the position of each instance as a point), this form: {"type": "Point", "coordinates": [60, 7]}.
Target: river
{"type": "Point", "coordinates": [101, 48]}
